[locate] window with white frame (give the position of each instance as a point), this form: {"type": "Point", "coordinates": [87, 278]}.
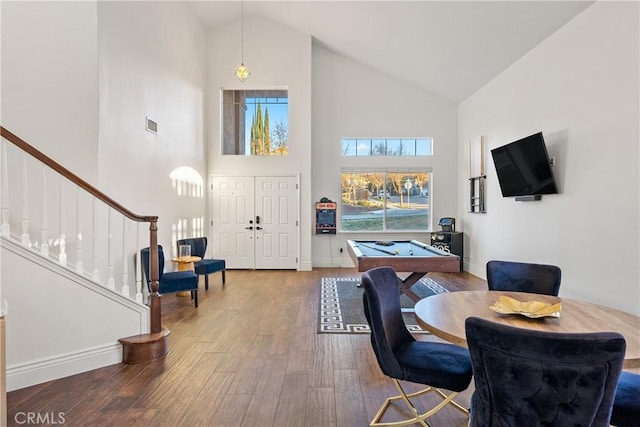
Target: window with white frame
{"type": "Point", "coordinates": [385, 201]}
{"type": "Point", "coordinates": [255, 122]}
{"type": "Point", "coordinates": [393, 192]}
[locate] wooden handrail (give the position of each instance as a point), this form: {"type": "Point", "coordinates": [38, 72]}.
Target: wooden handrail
{"type": "Point", "coordinates": [22, 144]}
{"type": "Point", "coordinates": [155, 308]}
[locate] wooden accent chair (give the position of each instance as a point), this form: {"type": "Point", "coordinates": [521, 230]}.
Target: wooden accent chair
{"type": "Point", "coordinates": [523, 277]}
{"type": "Point", "coordinates": [400, 357]}
{"type": "Point", "coordinates": [173, 281]}
{"type": "Point", "coordinates": [531, 377]}
{"type": "Point", "coordinates": [205, 266]}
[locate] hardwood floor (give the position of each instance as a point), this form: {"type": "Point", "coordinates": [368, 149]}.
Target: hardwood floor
{"type": "Point", "coordinates": [248, 356]}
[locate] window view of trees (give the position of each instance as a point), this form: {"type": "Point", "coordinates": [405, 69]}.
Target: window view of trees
{"type": "Point", "coordinates": [385, 201]}
{"type": "Point", "coordinates": [255, 122]}
{"type": "Point", "coordinates": [280, 138]}
{"type": "Point", "coordinates": [263, 141]}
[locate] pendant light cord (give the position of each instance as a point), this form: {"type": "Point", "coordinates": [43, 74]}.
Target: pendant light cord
{"type": "Point", "coordinates": [242, 33]}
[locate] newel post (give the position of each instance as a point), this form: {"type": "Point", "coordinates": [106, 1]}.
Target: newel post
{"type": "Point", "coordinates": [145, 348]}
{"type": "Point", "coordinates": [156, 322]}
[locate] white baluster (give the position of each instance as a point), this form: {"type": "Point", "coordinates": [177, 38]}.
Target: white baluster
{"type": "Point", "coordinates": [62, 256]}
{"type": "Point", "coordinates": [111, 282]}
{"type": "Point", "coordinates": [44, 246]}
{"type": "Point", "coordinates": [125, 267]}
{"type": "Point", "coordinates": [96, 271]}
{"type": "Point", "coordinates": [26, 241]}
{"type": "Point", "coordinates": [138, 268]}
{"type": "Point", "coordinates": [6, 229]}
{"type": "Point", "coordinates": [79, 263]}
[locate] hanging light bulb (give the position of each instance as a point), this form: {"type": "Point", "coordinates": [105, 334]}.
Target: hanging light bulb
{"type": "Point", "coordinates": [242, 72]}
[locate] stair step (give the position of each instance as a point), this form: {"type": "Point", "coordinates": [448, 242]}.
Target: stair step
{"type": "Point", "coordinates": [144, 348]}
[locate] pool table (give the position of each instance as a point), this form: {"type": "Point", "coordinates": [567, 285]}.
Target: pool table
{"type": "Point", "coordinates": [409, 256]}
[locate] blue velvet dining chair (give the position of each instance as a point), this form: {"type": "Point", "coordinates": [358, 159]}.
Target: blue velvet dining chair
{"type": "Point", "coordinates": [433, 364]}
{"type": "Point", "coordinates": [205, 266]}
{"type": "Point", "coordinates": [626, 404]}
{"type": "Point", "coordinates": [172, 281]}
{"type": "Point", "coordinates": [525, 377]}
{"type": "Point", "coordinates": [523, 277]}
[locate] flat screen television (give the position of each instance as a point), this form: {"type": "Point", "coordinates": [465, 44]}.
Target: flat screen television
{"type": "Point", "coordinates": [523, 167]}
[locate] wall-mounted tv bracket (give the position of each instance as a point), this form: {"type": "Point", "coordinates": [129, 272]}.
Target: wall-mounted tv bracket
{"type": "Point", "coordinates": [535, 197]}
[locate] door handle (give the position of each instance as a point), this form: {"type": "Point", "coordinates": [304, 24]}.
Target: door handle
{"type": "Point", "coordinates": [248, 228]}
{"type": "Point", "coordinates": [258, 228]}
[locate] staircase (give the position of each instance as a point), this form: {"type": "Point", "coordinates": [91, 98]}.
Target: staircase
{"type": "Point", "coordinates": [67, 253]}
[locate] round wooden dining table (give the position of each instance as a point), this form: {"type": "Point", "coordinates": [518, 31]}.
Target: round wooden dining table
{"type": "Point", "coordinates": [444, 316]}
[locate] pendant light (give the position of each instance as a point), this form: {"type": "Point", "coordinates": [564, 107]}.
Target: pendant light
{"type": "Point", "coordinates": [242, 72]}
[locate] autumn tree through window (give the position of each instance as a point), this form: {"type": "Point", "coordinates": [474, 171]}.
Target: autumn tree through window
{"type": "Point", "coordinates": [385, 201]}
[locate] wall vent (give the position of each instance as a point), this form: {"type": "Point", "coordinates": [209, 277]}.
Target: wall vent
{"type": "Point", "coordinates": [152, 126]}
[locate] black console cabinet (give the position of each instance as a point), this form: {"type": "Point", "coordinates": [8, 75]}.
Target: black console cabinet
{"type": "Point", "coordinates": [449, 241]}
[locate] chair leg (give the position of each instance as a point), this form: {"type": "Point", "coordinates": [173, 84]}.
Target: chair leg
{"type": "Point", "coordinates": [418, 417]}
{"type": "Point", "coordinates": [194, 297]}
{"type": "Point", "coordinates": [206, 282]}
{"type": "Point", "coordinates": [223, 277]}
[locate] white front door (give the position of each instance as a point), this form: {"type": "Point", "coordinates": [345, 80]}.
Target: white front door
{"type": "Point", "coordinates": [276, 222]}
{"type": "Point", "coordinates": [254, 222]}
{"type": "Point", "coordinates": [232, 214]}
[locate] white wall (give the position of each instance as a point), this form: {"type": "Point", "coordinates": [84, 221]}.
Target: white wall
{"type": "Point", "coordinates": [49, 80]}
{"type": "Point", "coordinates": [580, 87]}
{"type": "Point", "coordinates": [352, 100]}
{"type": "Point", "coordinates": [278, 57]}
{"type": "Point", "coordinates": [151, 63]}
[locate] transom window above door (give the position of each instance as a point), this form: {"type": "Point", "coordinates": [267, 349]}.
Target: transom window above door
{"type": "Point", "coordinates": [255, 122]}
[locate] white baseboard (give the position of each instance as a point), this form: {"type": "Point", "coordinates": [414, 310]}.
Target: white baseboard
{"type": "Point", "coordinates": [476, 270]}
{"type": "Point", "coordinates": [305, 266]}
{"type": "Point", "coordinates": [335, 262]}
{"type": "Point", "coordinates": [39, 371]}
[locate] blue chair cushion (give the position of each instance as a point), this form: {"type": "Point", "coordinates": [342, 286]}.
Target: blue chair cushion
{"type": "Point", "coordinates": [626, 404]}
{"type": "Point", "coordinates": [208, 266]}
{"type": "Point", "coordinates": [440, 365]}
{"type": "Point", "coordinates": [177, 281]}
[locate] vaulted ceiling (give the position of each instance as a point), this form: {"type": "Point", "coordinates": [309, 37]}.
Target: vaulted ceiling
{"type": "Point", "coordinates": [450, 48]}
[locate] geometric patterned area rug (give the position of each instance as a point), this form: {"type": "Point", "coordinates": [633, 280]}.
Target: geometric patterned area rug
{"type": "Point", "coordinates": [341, 310]}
